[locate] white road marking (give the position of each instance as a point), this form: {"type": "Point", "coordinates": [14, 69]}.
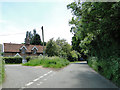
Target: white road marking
{"type": "Point", "coordinates": [49, 71]}
{"type": "Point", "coordinates": [29, 83]}
{"type": "Point", "coordinates": [44, 74]}
{"type": "Point", "coordinates": [37, 80]}
{"type": "Point", "coordinates": [41, 77]}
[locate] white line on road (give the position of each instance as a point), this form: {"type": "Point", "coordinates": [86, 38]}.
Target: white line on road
{"type": "Point", "coordinates": [49, 71]}
{"type": "Point", "coordinates": [37, 80]}
{"type": "Point", "coordinates": [44, 74]}
{"type": "Point", "coordinates": [41, 77]}
{"type": "Point", "coordinates": [29, 83]}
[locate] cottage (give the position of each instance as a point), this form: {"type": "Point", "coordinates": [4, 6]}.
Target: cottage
{"type": "Point", "coordinates": [11, 49]}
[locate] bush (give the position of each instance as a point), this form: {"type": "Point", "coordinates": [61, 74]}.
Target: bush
{"type": "Point", "coordinates": [12, 60]}
{"type": "Point", "coordinates": [52, 62]}
{"type": "Point", "coordinates": [109, 68]}
{"type": "Point", "coordinates": [16, 60]}
{"type": "Point", "coordinates": [73, 56]}
{"type": "Point", "coordinates": [28, 58]}
{"type": "Point", "coordinates": [92, 62]}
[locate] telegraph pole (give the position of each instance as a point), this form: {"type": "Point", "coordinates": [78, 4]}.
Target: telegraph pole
{"type": "Point", "coordinates": [43, 41]}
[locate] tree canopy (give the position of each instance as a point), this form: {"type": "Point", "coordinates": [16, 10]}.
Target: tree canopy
{"type": "Point", "coordinates": [95, 25]}
{"type": "Point", "coordinates": [61, 48]}
{"type": "Point", "coordinates": [96, 29]}
{"type": "Point", "coordinates": [51, 48]}
{"type": "Point", "coordinates": [34, 38]}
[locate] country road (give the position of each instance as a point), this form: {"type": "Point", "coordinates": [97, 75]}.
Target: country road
{"type": "Point", "coordinates": [76, 75]}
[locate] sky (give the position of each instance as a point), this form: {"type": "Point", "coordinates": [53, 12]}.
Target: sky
{"type": "Point", "coordinates": [17, 17]}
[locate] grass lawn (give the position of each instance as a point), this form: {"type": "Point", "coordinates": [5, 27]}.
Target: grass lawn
{"type": "Point", "coordinates": [52, 62]}
{"type": "Point", "coordinates": [2, 71]}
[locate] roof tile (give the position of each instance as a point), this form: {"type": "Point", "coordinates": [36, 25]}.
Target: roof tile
{"type": "Point", "coordinates": [11, 47]}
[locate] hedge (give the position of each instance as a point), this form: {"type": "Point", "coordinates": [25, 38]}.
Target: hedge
{"type": "Point", "coordinates": [14, 60]}
{"type": "Point", "coordinates": [109, 68]}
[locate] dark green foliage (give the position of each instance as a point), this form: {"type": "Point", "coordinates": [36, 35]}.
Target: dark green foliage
{"type": "Point", "coordinates": [62, 49]}
{"type": "Point", "coordinates": [51, 48]}
{"type": "Point", "coordinates": [52, 62]}
{"type": "Point", "coordinates": [36, 40]}
{"type": "Point", "coordinates": [96, 32]}
{"type": "Point", "coordinates": [44, 43]}
{"type": "Point", "coordinates": [15, 60]}
{"type": "Point", "coordinates": [73, 56]}
{"type": "Point", "coordinates": [2, 54]}
{"type": "Point", "coordinates": [33, 39]}
{"type": "Point", "coordinates": [28, 58]}
{"type": "Point", "coordinates": [108, 68]}
{"type": "Point", "coordinates": [12, 60]}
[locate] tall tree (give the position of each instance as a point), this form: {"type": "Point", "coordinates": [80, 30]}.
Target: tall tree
{"type": "Point", "coordinates": [51, 48]}
{"type": "Point", "coordinates": [36, 40]}
{"type": "Point", "coordinates": [64, 47]}
{"type": "Point", "coordinates": [34, 32]}
{"type": "Point", "coordinates": [96, 29]}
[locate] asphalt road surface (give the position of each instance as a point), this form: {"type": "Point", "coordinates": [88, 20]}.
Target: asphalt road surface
{"type": "Point", "coordinates": [77, 75]}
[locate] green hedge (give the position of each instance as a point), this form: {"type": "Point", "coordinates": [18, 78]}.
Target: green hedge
{"type": "Point", "coordinates": [109, 68]}
{"type": "Point", "coordinates": [14, 60]}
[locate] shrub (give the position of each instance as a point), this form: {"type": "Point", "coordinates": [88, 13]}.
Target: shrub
{"type": "Point", "coordinates": [12, 60]}
{"type": "Point", "coordinates": [108, 68]}
{"type": "Point", "coordinates": [73, 56]}
{"type": "Point", "coordinates": [28, 58]}
{"type": "Point", "coordinates": [52, 62]}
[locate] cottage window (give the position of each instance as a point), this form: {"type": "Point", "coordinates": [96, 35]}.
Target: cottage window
{"type": "Point", "coordinates": [23, 50]}
{"type": "Point", "coordinates": [34, 51]}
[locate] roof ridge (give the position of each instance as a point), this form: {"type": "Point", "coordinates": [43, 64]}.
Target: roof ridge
{"type": "Point", "coordinates": [13, 43]}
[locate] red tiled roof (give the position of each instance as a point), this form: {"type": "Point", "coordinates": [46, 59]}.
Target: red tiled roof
{"type": "Point", "coordinates": [11, 47]}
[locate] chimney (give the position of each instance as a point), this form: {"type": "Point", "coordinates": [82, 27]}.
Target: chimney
{"type": "Point", "coordinates": [27, 41]}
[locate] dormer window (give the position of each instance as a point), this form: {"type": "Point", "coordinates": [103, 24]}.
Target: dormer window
{"type": "Point", "coordinates": [34, 49]}
{"type": "Point", "coordinates": [23, 49]}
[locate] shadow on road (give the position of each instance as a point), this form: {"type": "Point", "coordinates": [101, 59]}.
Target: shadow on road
{"type": "Point", "coordinates": [81, 62]}
{"type": "Point", "coordinates": [88, 78]}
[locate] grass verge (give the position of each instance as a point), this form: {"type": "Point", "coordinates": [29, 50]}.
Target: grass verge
{"type": "Point", "coordinates": [2, 71]}
{"type": "Point", "coordinates": [52, 62]}
{"type": "Point", "coordinates": [108, 68]}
